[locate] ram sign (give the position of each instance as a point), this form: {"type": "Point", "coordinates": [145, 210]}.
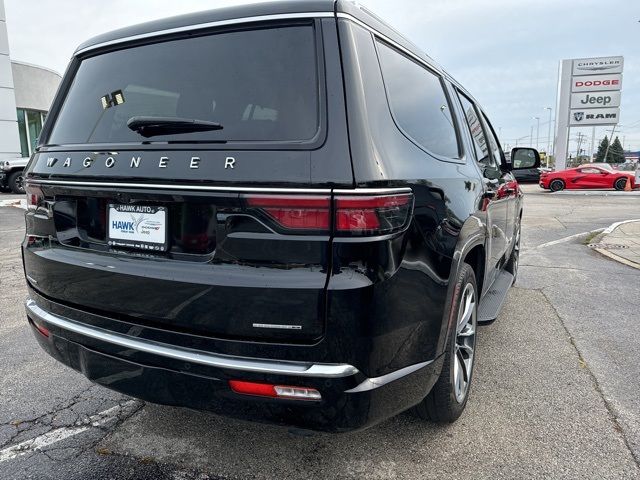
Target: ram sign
{"type": "Point", "coordinates": [594, 116]}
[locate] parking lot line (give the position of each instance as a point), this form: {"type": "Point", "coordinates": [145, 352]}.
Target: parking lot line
{"type": "Point", "coordinates": [62, 433]}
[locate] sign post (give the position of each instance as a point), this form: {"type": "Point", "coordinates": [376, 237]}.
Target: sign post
{"type": "Point", "coordinates": [588, 95]}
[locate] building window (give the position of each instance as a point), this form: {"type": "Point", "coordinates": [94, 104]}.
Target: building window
{"type": "Point", "coordinates": [29, 127]}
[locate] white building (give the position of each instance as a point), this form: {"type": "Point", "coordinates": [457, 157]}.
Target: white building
{"type": "Point", "coordinates": [26, 92]}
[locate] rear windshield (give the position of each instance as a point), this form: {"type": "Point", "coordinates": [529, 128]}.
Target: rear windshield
{"type": "Point", "coordinates": [260, 85]}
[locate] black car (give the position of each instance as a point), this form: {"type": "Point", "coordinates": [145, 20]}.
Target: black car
{"type": "Point", "coordinates": [282, 212]}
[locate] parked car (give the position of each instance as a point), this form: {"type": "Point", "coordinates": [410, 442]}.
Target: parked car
{"type": "Point", "coordinates": [586, 176]}
{"type": "Point", "coordinates": [12, 174]}
{"type": "Point", "coordinates": [605, 166]}
{"type": "Point", "coordinates": [305, 228]}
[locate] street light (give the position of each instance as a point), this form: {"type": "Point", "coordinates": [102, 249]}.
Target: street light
{"type": "Point", "coordinates": [549, 144]}
{"type": "Point", "coordinates": [531, 137]}
{"type": "Point", "coordinates": [537, 133]}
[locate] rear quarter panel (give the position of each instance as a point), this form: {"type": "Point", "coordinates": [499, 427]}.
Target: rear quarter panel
{"type": "Point", "coordinates": [404, 281]}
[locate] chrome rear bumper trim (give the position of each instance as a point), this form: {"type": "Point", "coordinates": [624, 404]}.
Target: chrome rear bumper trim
{"type": "Point", "coordinates": [276, 367]}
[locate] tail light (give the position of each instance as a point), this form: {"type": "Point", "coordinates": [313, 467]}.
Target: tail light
{"type": "Point", "coordinates": [295, 212]}
{"type": "Point", "coordinates": [34, 197]}
{"type": "Point", "coordinates": [372, 214]}
{"type": "Point", "coordinates": [274, 391]}
{"type": "Point", "coordinates": [352, 215]}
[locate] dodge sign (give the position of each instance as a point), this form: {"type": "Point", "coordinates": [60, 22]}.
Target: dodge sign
{"type": "Point", "coordinates": [593, 83]}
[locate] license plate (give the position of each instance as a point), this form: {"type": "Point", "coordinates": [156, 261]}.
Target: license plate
{"type": "Point", "coordinates": [137, 226]}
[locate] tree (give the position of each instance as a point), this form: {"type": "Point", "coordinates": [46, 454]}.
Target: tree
{"type": "Point", "coordinates": [602, 148]}
{"type": "Point", "coordinates": [616, 152]}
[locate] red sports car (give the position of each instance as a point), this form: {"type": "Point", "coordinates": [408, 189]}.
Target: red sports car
{"type": "Point", "coordinates": [586, 176]}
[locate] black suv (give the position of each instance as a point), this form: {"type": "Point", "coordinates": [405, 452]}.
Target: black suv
{"type": "Point", "coordinates": [280, 212]}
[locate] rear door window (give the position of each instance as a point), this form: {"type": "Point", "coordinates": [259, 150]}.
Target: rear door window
{"type": "Point", "coordinates": [494, 144]}
{"type": "Point", "coordinates": [261, 85]}
{"type": "Point", "coordinates": [476, 130]}
{"type": "Point", "coordinates": [418, 103]}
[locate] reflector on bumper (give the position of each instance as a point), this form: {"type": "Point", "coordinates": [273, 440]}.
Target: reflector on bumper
{"type": "Point", "coordinates": [274, 391]}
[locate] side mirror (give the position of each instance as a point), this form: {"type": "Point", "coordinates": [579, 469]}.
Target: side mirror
{"type": "Point", "coordinates": [523, 158]}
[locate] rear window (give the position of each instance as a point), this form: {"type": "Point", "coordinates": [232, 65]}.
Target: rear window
{"type": "Point", "coordinates": [260, 85]}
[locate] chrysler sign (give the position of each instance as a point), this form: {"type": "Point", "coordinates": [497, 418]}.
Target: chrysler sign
{"type": "Point", "coordinates": [595, 66]}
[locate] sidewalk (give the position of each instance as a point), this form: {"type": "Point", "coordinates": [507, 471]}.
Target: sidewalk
{"type": "Point", "coordinates": [621, 242]}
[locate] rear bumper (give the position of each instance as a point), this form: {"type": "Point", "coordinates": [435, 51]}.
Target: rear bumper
{"type": "Point", "coordinates": [172, 375]}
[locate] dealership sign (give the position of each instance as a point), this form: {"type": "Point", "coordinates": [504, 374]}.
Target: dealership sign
{"type": "Point", "coordinates": [595, 100]}
{"type": "Point", "coordinates": [593, 83]}
{"type": "Point", "coordinates": [588, 96]}
{"type": "Point", "coordinates": [596, 66]}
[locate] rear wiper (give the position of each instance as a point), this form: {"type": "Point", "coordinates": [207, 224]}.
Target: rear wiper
{"type": "Point", "coordinates": [152, 126]}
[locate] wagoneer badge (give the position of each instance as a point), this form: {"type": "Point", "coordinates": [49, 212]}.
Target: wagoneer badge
{"type": "Point", "coordinates": [162, 162]}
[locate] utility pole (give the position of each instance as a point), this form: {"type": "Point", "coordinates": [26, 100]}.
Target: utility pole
{"type": "Point", "coordinates": [606, 152]}
{"type": "Point", "coordinates": [580, 138]}
{"type": "Point", "coordinates": [537, 133]}
{"type": "Point", "coordinates": [518, 139]}
{"type": "Point", "coordinates": [593, 141]}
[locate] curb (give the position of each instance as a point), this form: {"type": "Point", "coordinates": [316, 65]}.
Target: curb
{"type": "Point", "coordinates": [603, 251]}
{"type": "Point", "coordinates": [617, 258]}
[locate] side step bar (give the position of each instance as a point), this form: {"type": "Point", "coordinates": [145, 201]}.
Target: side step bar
{"type": "Point", "coordinates": [492, 302]}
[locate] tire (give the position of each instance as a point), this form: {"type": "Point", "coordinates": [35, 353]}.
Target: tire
{"type": "Point", "coordinates": [556, 185]}
{"type": "Point", "coordinates": [514, 260]}
{"type": "Point", "coordinates": [16, 181]}
{"type": "Point", "coordinates": [448, 397]}
{"type": "Point", "coordinates": [620, 183]}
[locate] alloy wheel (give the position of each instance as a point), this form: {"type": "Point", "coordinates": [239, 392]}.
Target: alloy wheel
{"type": "Point", "coordinates": [465, 343]}
{"type": "Point", "coordinates": [556, 185]}
{"type": "Point", "coordinates": [20, 183]}
{"type": "Point", "coordinates": [516, 252]}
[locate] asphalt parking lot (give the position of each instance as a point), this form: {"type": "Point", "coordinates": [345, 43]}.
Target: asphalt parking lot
{"type": "Point", "coordinates": [555, 392]}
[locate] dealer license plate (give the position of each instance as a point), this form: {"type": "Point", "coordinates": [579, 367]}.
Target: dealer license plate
{"type": "Point", "coordinates": [137, 226]}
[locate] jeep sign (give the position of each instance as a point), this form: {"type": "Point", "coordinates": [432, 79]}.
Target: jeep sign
{"type": "Point", "coordinates": [592, 83]}
{"type": "Point", "coordinates": [595, 100]}
{"type": "Point", "coordinates": [599, 116]}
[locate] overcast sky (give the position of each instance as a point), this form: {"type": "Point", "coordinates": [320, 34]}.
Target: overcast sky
{"type": "Point", "coordinates": [505, 52]}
